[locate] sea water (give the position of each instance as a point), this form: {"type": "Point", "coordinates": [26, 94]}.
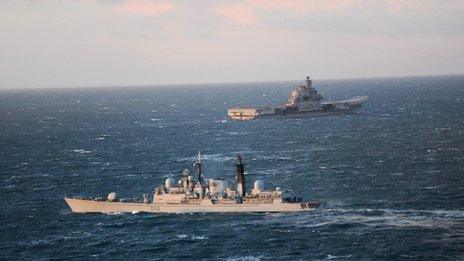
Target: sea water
{"type": "Point", "coordinates": [389, 177]}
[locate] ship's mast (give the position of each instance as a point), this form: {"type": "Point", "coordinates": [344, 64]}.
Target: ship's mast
{"type": "Point", "coordinates": [199, 165]}
{"type": "Point", "coordinates": [308, 82]}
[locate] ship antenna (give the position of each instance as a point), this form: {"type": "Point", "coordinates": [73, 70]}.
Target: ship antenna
{"type": "Point", "coordinates": [199, 164]}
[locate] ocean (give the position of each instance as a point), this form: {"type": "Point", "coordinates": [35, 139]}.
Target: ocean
{"type": "Point", "coordinates": [389, 177]}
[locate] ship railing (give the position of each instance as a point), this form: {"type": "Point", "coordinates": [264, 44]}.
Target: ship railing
{"type": "Point", "coordinates": [293, 199]}
{"type": "Point", "coordinates": [131, 200]}
{"type": "Point", "coordinates": [102, 199]}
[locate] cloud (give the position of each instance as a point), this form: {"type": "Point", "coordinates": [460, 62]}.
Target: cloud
{"type": "Point", "coordinates": [309, 6]}
{"type": "Point", "coordinates": [304, 6]}
{"type": "Point", "coordinates": [145, 7]}
{"type": "Point", "coordinates": [240, 13]}
{"type": "Point", "coordinates": [397, 6]}
{"type": "Point", "coordinates": [249, 12]}
{"type": "Point", "coordinates": [246, 13]}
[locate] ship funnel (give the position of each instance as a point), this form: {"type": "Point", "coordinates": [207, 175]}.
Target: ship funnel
{"type": "Point", "coordinates": [241, 189]}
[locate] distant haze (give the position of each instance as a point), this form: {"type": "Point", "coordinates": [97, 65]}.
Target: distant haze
{"type": "Point", "coordinates": [52, 43]}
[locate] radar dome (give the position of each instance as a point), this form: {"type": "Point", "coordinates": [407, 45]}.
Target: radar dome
{"type": "Point", "coordinates": [169, 183]}
{"type": "Point", "coordinates": [189, 178]}
{"type": "Point", "coordinates": [112, 196]}
{"type": "Point", "coordinates": [186, 172]}
{"type": "Point", "coordinates": [179, 182]}
{"type": "Point", "coordinates": [278, 189]}
{"type": "Point", "coordinates": [258, 185]}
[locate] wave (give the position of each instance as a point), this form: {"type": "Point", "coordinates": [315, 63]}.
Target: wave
{"type": "Point", "coordinates": [199, 237]}
{"type": "Point", "coordinates": [210, 157]}
{"type": "Point", "coordinates": [193, 237]}
{"type": "Point", "coordinates": [241, 258]}
{"type": "Point", "coordinates": [81, 151]}
{"type": "Point", "coordinates": [388, 218]}
{"type": "Point", "coordinates": [114, 213]}
{"type": "Point", "coordinates": [238, 133]}
{"type": "Point", "coordinates": [437, 212]}
{"type": "Point", "coordinates": [329, 256]}
{"type": "Point", "coordinates": [343, 218]}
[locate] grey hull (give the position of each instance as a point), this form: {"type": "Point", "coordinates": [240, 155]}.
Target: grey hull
{"type": "Point", "coordinates": [309, 114]}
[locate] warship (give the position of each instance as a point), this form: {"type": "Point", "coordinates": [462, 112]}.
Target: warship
{"type": "Point", "coordinates": [304, 101]}
{"type": "Point", "coordinates": [198, 195]}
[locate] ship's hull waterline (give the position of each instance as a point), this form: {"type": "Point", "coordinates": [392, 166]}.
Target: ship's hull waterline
{"type": "Point", "coordinates": [92, 206]}
{"type": "Point", "coordinates": [300, 114]}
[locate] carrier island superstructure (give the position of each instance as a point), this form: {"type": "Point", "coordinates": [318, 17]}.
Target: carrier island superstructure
{"type": "Point", "coordinates": [190, 195]}
{"type": "Point", "coordinates": [304, 101]}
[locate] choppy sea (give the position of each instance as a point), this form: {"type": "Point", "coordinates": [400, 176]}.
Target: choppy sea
{"type": "Point", "coordinates": [390, 178]}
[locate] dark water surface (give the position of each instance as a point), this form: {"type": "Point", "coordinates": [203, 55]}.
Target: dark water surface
{"type": "Point", "coordinates": [390, 178]}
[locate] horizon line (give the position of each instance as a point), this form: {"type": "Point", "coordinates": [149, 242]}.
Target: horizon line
{"type": "Point", "coordinates": [164, 85]}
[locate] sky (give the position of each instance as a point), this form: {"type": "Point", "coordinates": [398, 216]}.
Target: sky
{"type": "Point", "coordinates": [72, 43]}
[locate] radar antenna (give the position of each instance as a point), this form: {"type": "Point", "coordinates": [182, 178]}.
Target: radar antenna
{"type": "Point", "coordinates": [199, 164]}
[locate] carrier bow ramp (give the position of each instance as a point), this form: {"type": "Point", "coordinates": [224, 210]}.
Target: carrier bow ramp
{"type": "Point", "coordinates": [304, 101]}
{"type": "Point", "coordinates": [194, 195]}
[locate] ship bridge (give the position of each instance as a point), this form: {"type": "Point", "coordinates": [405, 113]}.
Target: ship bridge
{"type": "Point", "coordinates": [304, 93]}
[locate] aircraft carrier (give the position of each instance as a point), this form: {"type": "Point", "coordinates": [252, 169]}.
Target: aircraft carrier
{"type": "Point", "coordinates": [304, 101]}
{"type": "Point", "coordinates": [190, 195]}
